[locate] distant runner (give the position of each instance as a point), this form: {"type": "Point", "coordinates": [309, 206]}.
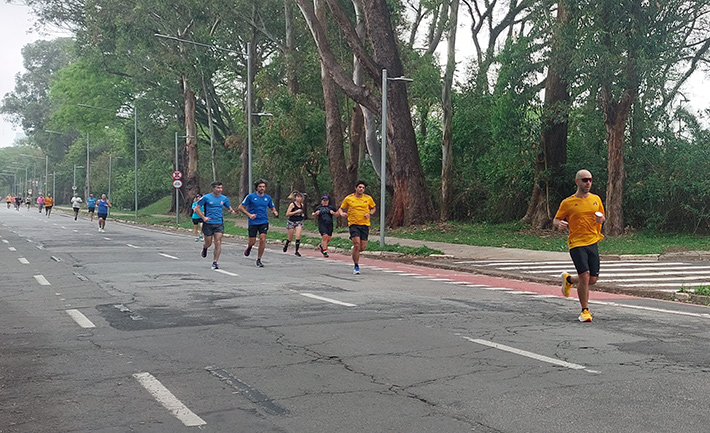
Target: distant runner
{"type": "Point", "coordinates": [213, 221]}
{"type": "Point", "coordinates": [91, 205]}
{"type": "Point", "coordinates": [102, 212]}
{"type": "Point", "coordinates": [76, 205]}
{"type": "Point", "coordinates": [255, 206]}
{"type": "Point", "coordinates": [358, 207]}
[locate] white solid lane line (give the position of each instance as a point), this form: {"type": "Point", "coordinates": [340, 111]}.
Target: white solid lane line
{"type": "Point", "coordinates": [23, 260]}
{"type": "Point", "coordinates": [529, 354]}
{"type": "Point", "coordinates": [332, 301]}
{"type": "Point", "coordinates": [41, 280]}
{"type": "Point", "coordinates": [80, 319]}
{"type": "Point", "coordinates": [222, 271]}
{"type": "Point", "coordinates": [168, 400]}
{"type": "Point", "coordinates": [169, 256]}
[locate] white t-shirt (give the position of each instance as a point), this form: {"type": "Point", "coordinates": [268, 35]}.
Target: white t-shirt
{"type": "Point", "coordinates": [76, 202]}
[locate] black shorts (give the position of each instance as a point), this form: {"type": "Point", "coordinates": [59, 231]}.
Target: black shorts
{"type": "Point", "coordinates": [102, 216]}
{"type": "Point", "coordinates": [586, 259]}
{"type": "Point", "coordinates": [325, 228]}
{"type": "Point", "coordinates": [92, 209]}
{"type": "Point", "coordinates": [196, 221]}
{"type": "Point", "coordinates": [211, 229]}
{"type": "Point", "coordinates": [261, 229]}
{"type": "Point", "coordinates": [359, 231]}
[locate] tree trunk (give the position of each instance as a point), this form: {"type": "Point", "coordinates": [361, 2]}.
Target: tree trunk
{"type": "Point", "coordinates": [191, 179]}
{"type": "Point", "coordinates": [447, 158]}
{"type": "Point", "coordinates": [552, 153]}
{"type": "Point", "coordinates": [334, 139]}
{"type": "Point", "coordinates": [411, 201]}
{"type": "Point", "coordinates": [615, 122]}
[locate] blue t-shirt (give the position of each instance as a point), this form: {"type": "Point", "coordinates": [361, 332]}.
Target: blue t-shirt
{"type": "Point", "coordinates": [103, 206]}
{"type": "Point", "coordinates": [212, 207]}
{"type": "Point", "coordinates": [194, 214]}
{"type": "Point", "coordinates": [258, 204]}
{"type": "Point", "coordinates": [91, 202]}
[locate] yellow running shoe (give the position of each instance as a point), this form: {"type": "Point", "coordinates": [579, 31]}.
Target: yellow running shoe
{"type": "Point", "coordinates": [566, 285]}
{"type": "Point", "coordinates": [586, 316]}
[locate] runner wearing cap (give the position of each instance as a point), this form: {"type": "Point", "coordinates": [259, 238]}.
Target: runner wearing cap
{"type": "Point", "coordinates": [324, 214]}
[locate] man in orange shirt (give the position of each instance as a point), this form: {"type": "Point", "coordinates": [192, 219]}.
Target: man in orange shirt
{"type": "Point", "coordinates": [583, 215]}
{"type": "Point", "coordinates": [358, 207]}
{"type": "Point", "coordinates": [48, 204]}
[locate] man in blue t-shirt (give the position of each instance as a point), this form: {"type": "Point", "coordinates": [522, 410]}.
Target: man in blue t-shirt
{"type": "Point", "coordinates": [255, 206]}
{"type": "Point", "coordinates": [213, 225]}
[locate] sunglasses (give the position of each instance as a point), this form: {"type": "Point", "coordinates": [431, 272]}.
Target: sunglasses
{"type": "Point", "coordinates": [586, 179]}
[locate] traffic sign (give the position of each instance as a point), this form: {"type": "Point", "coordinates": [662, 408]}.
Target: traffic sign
{"type": "Point", "coordinates": [177, 183]}
{"type": "Point", "coordinates": [177, 174]}
{"type": "Point", "coordinates": [73, 188]}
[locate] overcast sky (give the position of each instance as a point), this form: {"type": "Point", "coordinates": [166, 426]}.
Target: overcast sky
{"type": "Point", "coordinates": [16, 22]}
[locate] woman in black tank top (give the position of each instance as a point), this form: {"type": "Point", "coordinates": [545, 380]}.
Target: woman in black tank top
{"type": "Point", "coordinates": [295, 214]}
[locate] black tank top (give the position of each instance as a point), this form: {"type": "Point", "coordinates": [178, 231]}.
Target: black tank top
{"type": "Point", "coordinates": [298, 216]}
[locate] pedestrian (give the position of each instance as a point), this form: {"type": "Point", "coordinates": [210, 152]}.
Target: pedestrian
{"type": "Point", "coordinates": [209, 209]}
{"type": "Point", "coordinates": [295, 213]}
{"type": "Point", "coordinates": [324, 214]}
{"type": "Point", "coordinates": [48, 204]}
{"type": "Point", "coordinates": [196, 220]}
{"type": "Point", "coordinates": [583, 215]}
{"type": "Point", "coordinates": [358, 207]}
{"type": "Point", "coordinates": [91, 206]}
{"type": "Point", "coordinates": [76, 205]}
{"type": "Point", "coordinates": [28, 202]}
{"type": "Point", "coordinates": [8, 199]}
{"type": "Point", "coordinates": [40, 203]}
{"type": "Point", "coordinates": [255, 207]}
{"type": "Point", "coordinates": [103, 206]}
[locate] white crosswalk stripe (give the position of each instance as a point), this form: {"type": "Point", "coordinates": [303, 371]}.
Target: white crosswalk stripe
{"type": "Point", "coordinates": [636, 273]}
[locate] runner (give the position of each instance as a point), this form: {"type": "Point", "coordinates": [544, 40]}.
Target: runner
{"type": "Point", "coordinates": [40, 203]}
{"type": "Point", "coordinates": [583, 215]}
{"type": "Point", "coordinates": [28, 202]}
{"type": "Point", "coordinates": [255, 206]}
{"type": "Point", "coordinates": [76, 205]}
{"type": "Point", "coordinates": [9, 200]}
{"type": "Point", "coordinates": [295, 212]}
{"type": "Point", "coordinates": [196, 220]}
{"type": "Point", "coordinates": [358, 207]}
{"type": "Point", "coordinates": [91, 205]}
{"type": "Point", "coordinates": [18, 203]}
{"type": "Point", "coordinates": [102, 212]}
{"type": "Point", "coordinates": [324, 213]}
{"type": "Point", "coordinates": [48, 203]}
{"type": "Point", "coordinates": [213, 220]}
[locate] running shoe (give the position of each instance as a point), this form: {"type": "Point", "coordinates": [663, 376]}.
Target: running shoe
{"type": "Point", "coordinates": [320, 247]}
{"type": "Point", "coordinates": [566, 285]}
{"type": "Point", "coordinates": [586, 316]}
{"type": "Point", "coordinates": [286, 246]}
{"type": "Point", "coordinates": [247, 251]}
{"type": "Point", "coordinates": [325, 254]}
{"type": "Point", "coordinates": [215, 265]}
{"type": "Point", "coordinates": [259, 264]}
{"type": "Point", "coordinates": [297, 254]}
{"type": "Point", "coordinates": [197, 239]}
{"type": "Point", "coordinates": [356, 270]}
{"type": "Point", "coordinates": [204, 252]}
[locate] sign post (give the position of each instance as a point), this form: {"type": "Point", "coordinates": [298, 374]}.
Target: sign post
{"type": "Point", "coordinates": [177, 184]}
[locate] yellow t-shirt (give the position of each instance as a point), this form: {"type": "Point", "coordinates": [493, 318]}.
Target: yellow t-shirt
{"type": "Point", "coordinates": [579, 212]}
{"type": "Point", "coordinates": [48, 202]}
{"type": "Point", "coordinates": [357, 208]}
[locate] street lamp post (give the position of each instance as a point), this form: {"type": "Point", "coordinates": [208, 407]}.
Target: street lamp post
{"type": "Point", "coordinates": [88, 170]}
{"type": "Point", "coordinates": [74, 182]}
{"type": "Point", "coordinates": [383, 156]}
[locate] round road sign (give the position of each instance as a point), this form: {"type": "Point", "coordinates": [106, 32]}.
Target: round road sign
{"type": "Point", "coordinates": [177, 183]}
{"type": "Point", "coordinates": [177, 174]}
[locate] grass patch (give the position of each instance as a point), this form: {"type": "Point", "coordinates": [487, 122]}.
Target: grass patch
{"type": "Point", "coordinates": [518, 235]}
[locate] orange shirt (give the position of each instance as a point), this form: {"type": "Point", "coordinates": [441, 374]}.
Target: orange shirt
{"type": "Point", "coordinates": [579, 212]}
{"type": "Point", "coordinates": [48, 202]}
{"type": "Point", "coordinates": [357, 208]}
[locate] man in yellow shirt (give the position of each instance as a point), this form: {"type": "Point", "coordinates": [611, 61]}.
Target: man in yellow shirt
{"type": "Point", "coordinates": [358, 207]}
{"type": "Point", "coordinates": [583, 215]}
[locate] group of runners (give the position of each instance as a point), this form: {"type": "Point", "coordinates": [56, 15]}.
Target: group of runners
{"type": "Point", "coordinates": [46, 203]}
{"type": "Point", "coordinates": [358, 207]}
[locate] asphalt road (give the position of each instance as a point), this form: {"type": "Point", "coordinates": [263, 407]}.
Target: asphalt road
{"type": "Point", "coordinates": [130, 331]}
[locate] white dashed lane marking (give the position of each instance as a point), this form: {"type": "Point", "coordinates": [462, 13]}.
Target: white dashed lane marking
{"type": "Point", "coordinates": [168, 400]}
